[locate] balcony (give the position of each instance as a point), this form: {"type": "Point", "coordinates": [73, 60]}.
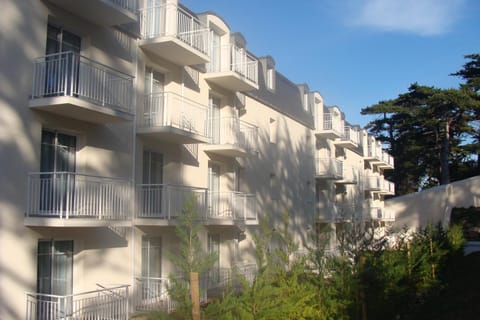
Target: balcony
{"type": "Point", "coordinates": [232, 68]}
{"type": "Point", "coordinates": [373, 183]}
{"type": "Point", "coordinates": [329, 168]}
{"type": "Point", "coordinates": [378, 184]}
{"type": "Point", "coordinates": [326, 214]}
{"type": "Point", "coordinates": [104, 303]}
{"type": "Point", "coordinates": [375, 154]}
{"type": "Point", "coordinates": [349, 175]}
{"type": "Point", "coordinates": [231, 208]}
{"type": "Point", "coordinates": [73, 86]}
{"type": "Point", "coordinates": [170, 117]}
{"type": "Point", "coordinates": [216, 280]}
{"type": "Point", "coordinates": [347, 212]}
{"type": "Point", "coordinates": [231, 137]}
{"type": "Point", "coordinates": [174, 34]}
{"type": "Point", "coordinates": [383, 160]}
{"type": "Point", "coordinates": [350, 138]}
{"type": "Point", "coordinates": [102, 12]}
{"type": "Point", "coordinates": [380, 214]}
{"type": "Point", "coordinates": [330, 127]}
{"type": "Point", "coordinates": [152, 294]}
{"type": "Point", "coordinates": [67, 199]}
{"type": "Point", "coordinates": [161, 204]}
{"type": "Point", "coordinates": [387, 188]}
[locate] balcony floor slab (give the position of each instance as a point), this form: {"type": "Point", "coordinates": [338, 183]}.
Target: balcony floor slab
{"type": "Point", "coordinates": [76, 108]}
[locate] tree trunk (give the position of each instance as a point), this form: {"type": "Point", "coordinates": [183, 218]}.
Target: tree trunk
{"type": "Point", "coordinates": [445, 155]}
{"type": "Point", "coordinates": [194, 292]}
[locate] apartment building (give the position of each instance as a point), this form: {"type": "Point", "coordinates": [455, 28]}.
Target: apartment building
{"type": "Point", "coordinates": [114, 113]}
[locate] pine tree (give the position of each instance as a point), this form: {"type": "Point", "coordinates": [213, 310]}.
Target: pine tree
{"type": "Point", "coordinates": [190, 258]}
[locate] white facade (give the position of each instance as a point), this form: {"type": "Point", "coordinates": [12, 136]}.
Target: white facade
{"type": "Point", "coordinates": [114, 112]}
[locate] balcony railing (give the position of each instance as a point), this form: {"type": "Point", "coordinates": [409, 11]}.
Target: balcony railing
{"type": "Point", "coordinates": [232, 58]}
{"type": "Point", "coordinates": [167, 109]}
{"type": "Point", "coordinates": [223, 277]}
{"type": "Point", "coordinates": [68, 195]}
{"type": "Point", "coordinates": [388, 187]}
{"type": "Point", "coordinates": [329, 168]}
{"type": "Point", "coordinates": [104, 303]}
{"type": "Point", "coordinates": [232, 131]}
{"type": "Point", "coordinates": [130, 5]}
{"type": "Point", "coordinates": [387, 159]}
{"type": "Point", "coordinates": [152, 294]}
{"type": "Point", "coordinates": [331, 122]}
{"type": "Point", "coordinates": [326, 212]}
{"type": "Point", "coordinates": [349, 174]}
{"type": "Point", "coordinates": [351, 134]}
{"type": "Point", "coordinates": [163, 201]}
{"type": "Point", "coordinates": [70, 74]}
{"type": "Point", "coordinates": [373, 183]}
{"type": "Point", "coordinates": [377, 213]}
{"type": "Point", "coordinates": [171, 20]}
{"type": "Point", "coordinates": [237, 206]}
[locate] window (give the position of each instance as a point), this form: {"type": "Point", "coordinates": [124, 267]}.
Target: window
{"type": "Point", "coordinates": [57, 163]}
{"type": "Point", "coordinates": [55, 265]}
{"type": "Point", "coordinates": [151, 257]}
{"type": "Point", "coordinates": [213, 190]}
{"type": "Point", "coordinates": [270, 79]}
{"type": "Point", "coordinates": [60, 40]}
{"type": "Point", "coordinates": [62, 62]}
{"type": "Point", "coordinates": [214, 119]}
{"type": "Point", "coordinates": [152, 188]}
{"type": "Point", "coordinates": [215, 52]}
{"type": "Point", "coordinates": [306, 106]}
{"type": "Point", "coordinates": [152, 167]}
{"type": "Point", "coordinates": [152, 286]}
{"type": "Point", "coordinates": [153, 112]}
{"type": "Point", "coordinates": [214, 248]}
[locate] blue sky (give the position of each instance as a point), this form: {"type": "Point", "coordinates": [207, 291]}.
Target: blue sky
{"type": "Point", "coordinates": [357, 52]}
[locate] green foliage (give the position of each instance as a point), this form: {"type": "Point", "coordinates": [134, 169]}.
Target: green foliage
{"type": "Point", "coordinates": [456, 239]}
{"type": "Point", "coordinates": [280, 289]}
{"type": "Point", "coordinates": [191, 257]}
{"type": "Point", "coordinates": [367, 279]}
{"type": "Point", "coordinates": [433, 133]}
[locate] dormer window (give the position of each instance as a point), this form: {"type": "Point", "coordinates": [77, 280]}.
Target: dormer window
{"type": "Point", "coordinates": [270, 79]}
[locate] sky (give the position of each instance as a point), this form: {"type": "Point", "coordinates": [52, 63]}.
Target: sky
{"type": "Point", "coordinates": [357, 52]}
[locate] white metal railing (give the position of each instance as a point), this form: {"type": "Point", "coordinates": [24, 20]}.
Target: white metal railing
{"type": "Point", "coordinates": [164, 201]}
{"type": "Point", "coordinates": [329, 167]}
{"type": "Point", "coordinates": [332, 122]}
{"type": "Point", "coordinates": [327, 213]}
{"type": "Point", "coordinates": [167, 109]}
{"type": "Point", "coordinates": [68, 195]}
{"type": "Point", "coordinates": [350, 173]}
{"type": "Point", "coordinates": [231, 130]}
{"type": "Point", "coordinates": [232, 58]}
{"type": "Point", "coordinates": [104, 303]}
{"type": "Point", "coordinates": [388, 186]}
{"type": "Point", "coordinates": [351, 134]}
{"type": "Point", "coordinates": [222, 277]}
{"type": "Point", "coordinates": [152, 294]}
{"type": "Point", "coordinates": [70, 74]}
{"type": "Point", "coordinates": [172, 20]}
{"type": "Point", "coordinates": [387, 158]}
{"type": "Point", "coordinates": [231, 206]}
{"type": "Point", "coordinates": [130, 5]}
{"type": "Point", "coordinates": [378, 213]}
{"type": "Point", "coordinates": [375, 213]}
{"type": "Point", "coordinates": [374, 183]}
{"type": "Point", "coordinates": [374, 149]}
